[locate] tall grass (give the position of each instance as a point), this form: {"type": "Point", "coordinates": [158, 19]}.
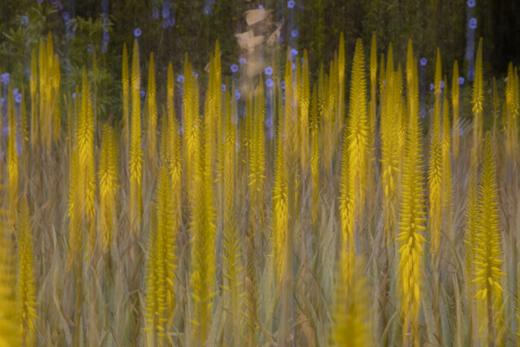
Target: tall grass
{"type": "Point", "coordinates": [361, 221]}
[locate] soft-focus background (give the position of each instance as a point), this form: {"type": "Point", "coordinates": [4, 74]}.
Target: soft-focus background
{"type": "Point", "coordinates": [171, 28]}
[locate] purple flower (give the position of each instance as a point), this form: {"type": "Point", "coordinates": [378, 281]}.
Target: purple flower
{"type": "Point", "coordinates": [66, 17]}
{"type": "Point", "coordinates": [242, 60]}
{"type": "Point", "coordinates": [234, 68]}
{"type": "Point", "coordinates": [269, 83]}
{"type": "Point", "coordinates": [137, 32]}
{"type": "Point", "coordinates": [237, 94]}
{"type": "Point", "coordinates": [18, 98]}
{"type": "Point", "coordinates": [472, 23]}
{"type": "Point", "coordinates": [269, 122]}
{"type": "Point", "coordinates": [268, 71]}
{"type": "Point", "coordinates": [143, 93]}
{"type": "Point", "coordinates": [4, 78]}
{"type": "Point", "coordinates": [294, 52]}
{"type": "Point", "coordinates": [180, 78]}
{"type": "Point", "coordinates": [461, 80]}
{"type": "Point", "coordinates": [423, 61]}
{"type": "Point", "coordinates": [24, 20]}
{"type": "Point", "coordinates": [291, 4]}
{"type": "Point", "coordinates": [223, 87]}
{"type": "Point", "coordinates": [295, 33]}
{"type": "Point", "coordinates": [282, 85]}
{"type": "Point", "coordinates": [207, 10]}
{"type": "Point", "coordinates": [432, 86]}
{"type": "Point", "coordinates": [471, 3]}
{"type": "Point", "coordinates": [166, 10]}
{"type": "Point", "coordinates": [442, 84]}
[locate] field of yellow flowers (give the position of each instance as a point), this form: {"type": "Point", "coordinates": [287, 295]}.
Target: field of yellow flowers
{"type": "Point", "coordinates": [350, 208]}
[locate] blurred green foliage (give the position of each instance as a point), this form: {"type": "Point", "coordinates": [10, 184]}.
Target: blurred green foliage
{"type": "Point", "coordinates": [199, 23]}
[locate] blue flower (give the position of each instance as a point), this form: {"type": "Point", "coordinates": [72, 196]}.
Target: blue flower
{"type": "Point", "coordinates": [442, 84]}
{"type": "Point", "coordinates": [269, 83]}
{"type": "Point", "coordinates": [234, 68]}
{"type": "Point", "coordinates": [237, 94]}
{"type": "Point", "coordinates": [242, 60]}
{"type": "Point", "coordinates": [180, 78]}
{"type": "Point", "coordinates": [268, 71]}
{"type": "Point", "coordinates": [294, 52]}
{"type": "Point", "coordinates": [106, 36]}
{"type": "Point", "coordinates": [432, 86]}
{"type": "Point", "coordinates": [294, 33]}
{"type": "Point", "coordinates": [461, 80]}
{"type": "Point", "coordinates": [223, 87]}
{"type": "Point", "coordinates": [18, 98]}
{"type": "Point", "coordinates": [143, 93]}
{"type": "Point", "coordinates": [471, 3]}
{"type": "Point", "coordinates": [472, 23]}
{"type": "Point", "coordinates": [166, 11]}
{"type": "Point", "coordinates": [24, 20]}
{"type": "Point", "coordinates": [4, 78]}
{"type": "Point", "coordinates": [269, 122]}
{"type": "Point", "coordinates": [207, 10]}
{"type": "Point", "coordinates": [137, 32]}
{"type": "Point", "coordinates": [291, 4]}
{"type": "Point", "coordinates": [66, 17]}
{"type": "Point", "coordinates": [423, 61]}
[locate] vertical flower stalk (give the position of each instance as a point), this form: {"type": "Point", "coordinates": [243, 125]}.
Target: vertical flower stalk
{"type": "Point", "coordinates": [151, 115]}
{"type": "Point", "coordinates": [455, 105]}
{"type": "Point", "coordinates": [315, 155]}
{"type": "Point", "coordinates": [412, 221]}
{"type": "Point", "coordinates": [12, 158]}
{"type": "Point", "coordinates": [232, 264]}
{"type": "Point", "coordinates": [354, 157]}
{"type": "Point", "coordinates": [435, 165]}
{"type": "Point", "coordinates": [135, 163]}
{"type": "Point", "coordinates": [304, 103]}
{"type": "Point", "coordinates": [489, 260]}
{"type": "Point", "coordinates": [477, 102]}
{"type": "Point", "coordinates": [125, 98]}
{"type": "Point", "coordinates": [390, 161]}
{"type": "Point", "coordinates": [160, 301]}
{"type": "Point", "coordinates": [108, 183]}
